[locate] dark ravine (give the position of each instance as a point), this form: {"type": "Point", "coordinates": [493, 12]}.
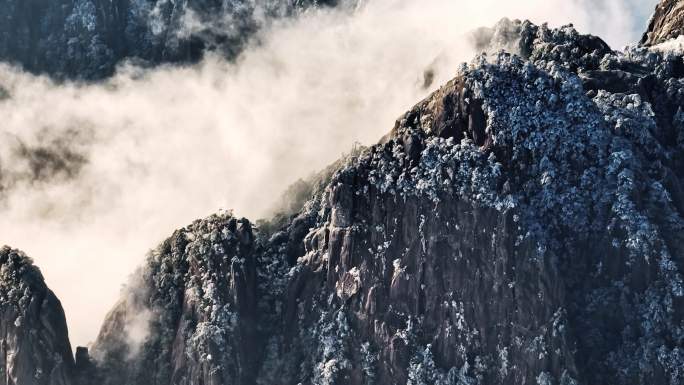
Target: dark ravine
{"type": "Point", "coordinates": [524, 224]}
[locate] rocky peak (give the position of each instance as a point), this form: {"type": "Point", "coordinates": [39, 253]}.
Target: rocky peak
{"type": "Point", "coordinates": [523, 224]}
{"type": "Point", "coordinates": [667, 23]}
{"type": "Point", "coordinates": [190, 315]}
{"type": "Point", "coordinates": [34, 342]}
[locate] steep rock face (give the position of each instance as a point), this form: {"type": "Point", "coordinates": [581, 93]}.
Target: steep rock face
{"type": "Point", "coordinates": [523, 225]}
{"type": "Point", "coordinates": [530, 257]}
{"type": "Point", "coordinates": [34, 346]}
{"type": "Point", "coordinates": [667, 23]}
{"type": "Point", "coordinates": [190, 317]}
{"type": "Point", "coordinates": [86, 39]}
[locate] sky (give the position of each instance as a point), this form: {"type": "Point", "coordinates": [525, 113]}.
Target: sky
{"type": "Point", "coordinates": [166, 146]}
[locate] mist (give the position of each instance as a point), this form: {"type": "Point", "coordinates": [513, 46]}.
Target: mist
{"type": "Point", "coordinates": [94, 175]}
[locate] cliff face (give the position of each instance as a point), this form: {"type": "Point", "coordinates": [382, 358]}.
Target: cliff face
{"type": "Point", "coordinates": [86, 39]}
{"type": "Point", "coordinates": [191, 316]}
{"type": "Point", "coordinates": [667, 23]}
{"type": "Point", "coordinates": [35, 345]}
{"type": "Point", "coordinates": [523, 224]}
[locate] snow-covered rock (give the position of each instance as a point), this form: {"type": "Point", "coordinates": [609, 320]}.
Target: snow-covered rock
{"type": "Point", "coordinates": [34, 342]}
{"type": "Point", "coordinates": [189, 316]}
{"type": "Point", "coordinates": [521, 225]}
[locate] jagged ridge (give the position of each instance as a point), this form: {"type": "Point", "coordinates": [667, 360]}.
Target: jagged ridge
{"type": "Point", "coordinates": [521, 225]}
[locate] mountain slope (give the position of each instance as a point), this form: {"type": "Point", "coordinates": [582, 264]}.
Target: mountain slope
{"type": "Point", "coordinates": [193, 309]}
{"type": "Point", "coordinates": [523, 224]}
{"type": "Point", "coordinates": [35, 345]}
{"type": "Point", "coordinates": [86, 39]}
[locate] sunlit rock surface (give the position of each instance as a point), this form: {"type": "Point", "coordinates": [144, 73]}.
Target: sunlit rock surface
{"type": "Point", "coordinates": [667, 23]}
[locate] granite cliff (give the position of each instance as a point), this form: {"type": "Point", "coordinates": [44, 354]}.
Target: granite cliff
{"type": "Point", "coordinates": [521, 225]}
{"type": "Point", "coordinates": [524, 224]}
{"type": "Point", "coordinates": [87, 39]}
{"type": "Point", "coordinates": [35, 345]}
{"type": "Point", "coordinates": [667, 23]}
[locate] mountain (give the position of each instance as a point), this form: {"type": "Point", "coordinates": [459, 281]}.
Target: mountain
{"type": "Point", "coordinates": [524, 224]}
{"type": "Point", "coordinates": [198, 298]}
{"type": "Point", "coordinates": [35, 345]}
{"type": "Point", "coordinates": [86, 39]}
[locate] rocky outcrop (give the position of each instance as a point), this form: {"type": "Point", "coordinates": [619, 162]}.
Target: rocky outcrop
{"type": "Point", "coordinates": [34, 346]}
{"type": "Point", "coordinates": [667, 23]}
{"type": "Point", "coordinates": [521, 225]}
{"type": "Point", "coordinates": [510, 230]}
{"type": "Point", "coordinates": [86, 39]}
{"type": "Point", "coordinates": [524, 224]}
{"type": "Point", "coordinates": [191, 315]}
